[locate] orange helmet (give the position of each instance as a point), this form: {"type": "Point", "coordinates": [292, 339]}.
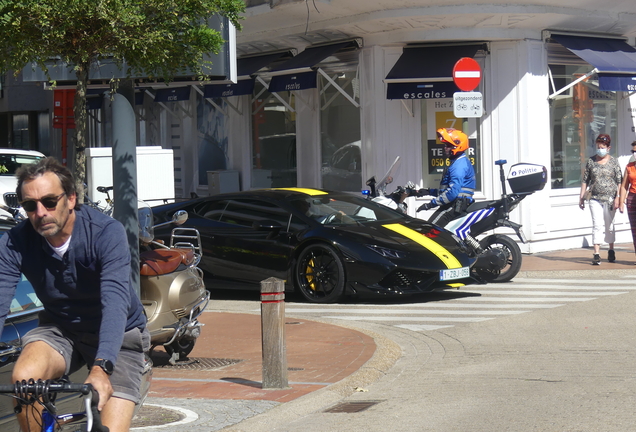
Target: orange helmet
{"type": "Point", "coordinates": [454, 138]}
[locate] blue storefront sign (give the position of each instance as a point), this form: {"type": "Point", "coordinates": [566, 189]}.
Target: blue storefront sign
{"type": "Point", "coordinates": [242, 87]}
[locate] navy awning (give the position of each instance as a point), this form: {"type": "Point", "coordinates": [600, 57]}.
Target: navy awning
{"type": "Point", "coordinates": [242, 87]}
{"type": "Point", "coordinates": [613, 59]}
{"type": "Point", "coordinates": [426, 72]}
{"type": "Point", "coordinates": [95, 96]}
{"type": "Point", "coordinates": [298, 73]}
{"type": "Point", "coordinates": [246, 66]}
{"type": "Point", "coordinates": [172, 94]}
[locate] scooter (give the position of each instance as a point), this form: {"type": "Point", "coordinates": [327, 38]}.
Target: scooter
{"type": "Point", "coordinates": [498, 256]}
{"type": "Point", "coordinates": [172, 290]}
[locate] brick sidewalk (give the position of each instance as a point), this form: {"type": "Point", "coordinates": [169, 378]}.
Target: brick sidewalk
{"type": "Point", "coordinates": [318, 354]}
{"type": "Point", "coordinates": [579, 259]}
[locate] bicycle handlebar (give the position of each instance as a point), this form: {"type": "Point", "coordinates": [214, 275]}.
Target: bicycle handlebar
{"type": "Point", "coordinates": [44, 389]}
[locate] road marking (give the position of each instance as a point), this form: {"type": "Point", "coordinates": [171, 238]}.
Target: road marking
{"type": "Point", "coordinates": [574, 281]}
{"type": "Point", "coordinates": [529, 299]}
{"type": "Point", "coordinates": [415, 319]}
{"type": "Point", "coordinates": [409, 311]}
{"type": "Point", "coordinates": [475, 303]}
{"type": "Point", "coordinates": [422, 327]}
{"type": "Point", "coordinates": [444, 304]}
{"type": "Point", "coordinates": [560, 287]}
{"type": "Point", "coordinates": [550, 293]}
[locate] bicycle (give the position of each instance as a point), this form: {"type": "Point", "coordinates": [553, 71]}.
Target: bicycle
{"type": "Point", "coordinates": [107, 209]}
{"type": "Point", "coordinates": [31, 392]}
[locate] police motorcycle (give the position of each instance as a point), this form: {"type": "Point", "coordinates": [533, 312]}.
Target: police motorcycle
{"type": "Point", "coordinates": [394, 200]}
{"type": "Point", "coordinates": [172, 290]}
{"type": "Point", "coordinates": [498, 256]}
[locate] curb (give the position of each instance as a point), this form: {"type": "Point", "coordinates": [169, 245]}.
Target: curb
{"type": "Point", "coordinates": [385, 356]}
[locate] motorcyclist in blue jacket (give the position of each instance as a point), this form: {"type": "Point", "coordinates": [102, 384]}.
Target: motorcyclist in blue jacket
{"type": "Point", "coordinates": [457, 186]}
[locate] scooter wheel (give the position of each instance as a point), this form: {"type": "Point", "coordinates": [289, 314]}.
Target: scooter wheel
{"type": "Point", "coordinates": [513, 258]}
{"type": "Point", "coordinates": [182, 347]}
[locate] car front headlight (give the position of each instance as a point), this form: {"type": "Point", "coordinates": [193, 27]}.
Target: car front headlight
{"type": "Point", "coordinates": [386, 252]}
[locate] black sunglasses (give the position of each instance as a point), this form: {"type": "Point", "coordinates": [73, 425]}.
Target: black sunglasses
{"type": "Point", "coordinates": [49, 203]}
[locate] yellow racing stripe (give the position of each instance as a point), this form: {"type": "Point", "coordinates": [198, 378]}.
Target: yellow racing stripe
{"type": "Point", "coordinates": [440, 251]}
{"type": "Point", "coordinates": [311, 192]}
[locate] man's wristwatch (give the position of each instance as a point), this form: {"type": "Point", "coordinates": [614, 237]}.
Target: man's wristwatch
{"type": "Point", "coordinates": [106, 365]}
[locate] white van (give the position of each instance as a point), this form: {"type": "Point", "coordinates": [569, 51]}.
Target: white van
{"type": "Point", "coordinates": [10, 161]}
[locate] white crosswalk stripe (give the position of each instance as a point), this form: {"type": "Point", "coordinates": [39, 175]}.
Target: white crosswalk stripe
{"type": "Point", "coordinates": [475, 303]}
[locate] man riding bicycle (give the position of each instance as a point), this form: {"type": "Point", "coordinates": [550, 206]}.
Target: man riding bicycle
{"type": "Point", "coordinates": [78, 261]}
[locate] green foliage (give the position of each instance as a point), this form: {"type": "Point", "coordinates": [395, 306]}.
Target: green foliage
{"type": "Point", "coordinates": [159, 37]}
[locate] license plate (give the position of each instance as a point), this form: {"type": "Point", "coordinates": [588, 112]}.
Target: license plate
{"type": "Point", "coordinates": [458, 273]}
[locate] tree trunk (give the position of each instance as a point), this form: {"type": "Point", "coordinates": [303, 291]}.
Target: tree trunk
{"type": "Point", "coordinates": [81, 117]}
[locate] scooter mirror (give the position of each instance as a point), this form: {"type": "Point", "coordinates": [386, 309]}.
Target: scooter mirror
{"type": "Point", "coordinates": [180, 217]}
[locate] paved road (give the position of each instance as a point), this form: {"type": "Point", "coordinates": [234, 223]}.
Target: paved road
{"type": "Point", "coordinates": [565, 367]}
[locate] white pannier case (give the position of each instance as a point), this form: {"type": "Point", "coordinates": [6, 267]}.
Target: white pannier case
{"type": "Point", "coordinates": [527, 178]}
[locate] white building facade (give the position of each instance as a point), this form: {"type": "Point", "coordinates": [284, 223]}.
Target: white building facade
{"type": "Point", "coordinates": [331, 92]}
{"type": "Point", "coordinates": [333, 117]}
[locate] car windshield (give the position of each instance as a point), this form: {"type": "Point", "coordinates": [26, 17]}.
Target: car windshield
{"type": "Point", "coordinates": [344, 210]}
{"type": "Point", "coordinates": [9, 163]}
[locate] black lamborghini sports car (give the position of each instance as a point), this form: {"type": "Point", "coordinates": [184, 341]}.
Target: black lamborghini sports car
{"type": "Point", "coordinates": [323, 244]}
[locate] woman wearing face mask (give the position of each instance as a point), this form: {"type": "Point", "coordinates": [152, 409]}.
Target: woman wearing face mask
{"type": "Point", "coordinates": [603, 177]}
{"type": "Point", "coordinates": [628, 192]}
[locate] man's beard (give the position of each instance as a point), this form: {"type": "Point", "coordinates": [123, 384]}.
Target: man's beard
{"type": "Point", "coordinates": [50, 230]}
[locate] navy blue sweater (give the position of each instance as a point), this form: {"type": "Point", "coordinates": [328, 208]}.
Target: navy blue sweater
{"type": "Point", "coordinates": [88, 290]}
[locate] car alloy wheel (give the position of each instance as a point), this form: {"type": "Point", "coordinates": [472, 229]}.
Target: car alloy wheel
{"type": "Point", "coordinates": [320, 274]}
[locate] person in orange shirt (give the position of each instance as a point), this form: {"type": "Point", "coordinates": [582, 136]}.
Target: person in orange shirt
{"type": "Point", "coordinates": [628, 193]}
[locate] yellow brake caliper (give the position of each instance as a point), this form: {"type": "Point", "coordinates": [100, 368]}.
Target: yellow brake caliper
{"type": "Point", "coordinates": [309, 276]}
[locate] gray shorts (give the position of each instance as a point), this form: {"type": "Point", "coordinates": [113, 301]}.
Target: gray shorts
{"type": "Point", "coordinates": [80, 349]}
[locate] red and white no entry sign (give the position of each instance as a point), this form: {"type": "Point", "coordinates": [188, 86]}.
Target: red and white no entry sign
{"type": "Point", "coordinates": [467, 74]}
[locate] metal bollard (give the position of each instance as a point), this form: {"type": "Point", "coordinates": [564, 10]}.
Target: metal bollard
{"type": "Point", "coordinates": [273, 334]}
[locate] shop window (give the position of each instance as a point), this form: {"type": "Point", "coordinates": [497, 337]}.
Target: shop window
{"type": "Point", "coordinates": [212, 140]}
{"type": "Point", "coordinates": [577, 116]}
{"type": "Point", "coordinates": [273, 139]}
{"type": "Point", "coordinates": [340, 131]}
{"type": "Point", "coordinates": [438, 113]}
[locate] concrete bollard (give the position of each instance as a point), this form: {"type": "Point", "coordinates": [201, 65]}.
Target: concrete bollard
{"type": "Point", "coordinates": [273, 334]}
